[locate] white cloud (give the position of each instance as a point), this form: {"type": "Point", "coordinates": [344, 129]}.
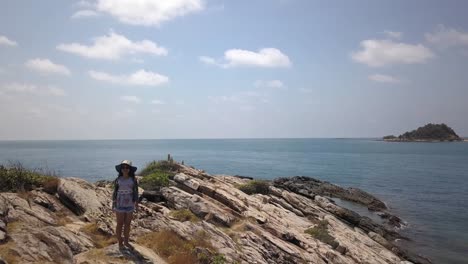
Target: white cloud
{"type": "Point", "coordinates": [383, 78]}
{"type": "Point", "coordinates": [393, 34]}
{"type": "Point", "coordinates": [376, 53]}
{"type": "Point", "coordinates": [47, 66]}
{"type": "Point", "coordinates": [269, 84]}
{"type": "Point", "coordinates": [84, 13]}
{"type": "Point", "coordinates": [148, 12]}
{"type": "Point", "coordinates": [267, 57]}
{"type": "Point", "coordinates": [7, 42]}
{"type": "Point", "coordinates": [113, 46]}
{"type": "Point", "coordinates": [447, 37]}
{"type": "Point", "coordinates": [207, 60]}
{"type": "Point", "coordinates": [25, 88]}
{"type": "Point", "coordinates": [157, 102]}
{"type": "Point", "coordinates": [130, 99]}
{"type": "Point", "coordinates": [85, 4]}
{"type": "Point", "coordinates": [141, 77]}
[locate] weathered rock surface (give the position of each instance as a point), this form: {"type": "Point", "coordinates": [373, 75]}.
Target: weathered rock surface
{"type": "Point", "coordinates": [311, 187]}
{"type": "Point", "coordinates": [258, 228]}
{"type": "Point", "coordinates": [112, 254]}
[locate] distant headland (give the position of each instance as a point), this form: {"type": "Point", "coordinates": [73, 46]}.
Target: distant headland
{"type": "Point", "coordinates": [427, 133]}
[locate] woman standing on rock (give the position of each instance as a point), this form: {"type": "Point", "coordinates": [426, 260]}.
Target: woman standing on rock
{"type": "Point", "coordinates": [125, 200]}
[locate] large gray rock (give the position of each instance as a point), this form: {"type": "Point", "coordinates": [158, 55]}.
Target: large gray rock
{"type": "Point", "coordinates": [80, 196]}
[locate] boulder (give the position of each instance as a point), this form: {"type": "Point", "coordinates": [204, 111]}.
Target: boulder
{"type": "Point", "coordinates": [79, 196]}
{"type": "Point", "coordinates": [187, 181]}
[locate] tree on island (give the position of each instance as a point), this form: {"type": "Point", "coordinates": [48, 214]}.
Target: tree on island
{"type": "Point", "coordinates": [429, 132]}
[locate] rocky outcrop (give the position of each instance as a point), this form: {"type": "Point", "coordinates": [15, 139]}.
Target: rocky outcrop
{"type": "Point", "coordinates": [311, 188]}
{"type": "Point", "coordinates": [76, 224]}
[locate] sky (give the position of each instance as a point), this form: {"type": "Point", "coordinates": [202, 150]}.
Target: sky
{"type": "Point", "coordinates": [153, 69]}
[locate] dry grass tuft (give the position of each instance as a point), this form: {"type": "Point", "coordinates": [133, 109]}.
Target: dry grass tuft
{"type": "Point", "coordinates": [50, 185]}
{"type": "Point", "coordinates": [14, 226]}
{"type": "Point", "coordinates": [62, 218]}
{"type": "Point", "coordinates": [99, 239]}
{"type": "Point", "coordinates": [320, 232]}
{"type": "Point", "coordinates": [177, 250]}
{"type": "Point", "coordinates": [183, 215]}
{"type": "Point", "coordinates": [7, 254]}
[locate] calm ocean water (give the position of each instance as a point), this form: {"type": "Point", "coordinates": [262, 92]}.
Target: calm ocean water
{"type": "Point", "coordinates": [426, 184]}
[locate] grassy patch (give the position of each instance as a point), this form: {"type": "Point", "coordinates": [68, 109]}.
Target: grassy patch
{"type": "Point", "coordinates": [255, 186]}
{"type": "Point", "coordinates": [218, 259]}
{"type": "Point", "coordinates": [15, 226]}
{"type": "Point", "coordinates": [100, 240]}
{"type": "Point", "coordinates": [320, 232]}
{"type": "Point", "coordinates": [50, 185]}
{"type": "Point", "coordinates": [62, 218]}
{"type": "Point", "coordinates": [7, 254]}
{"type": "Point", "coordinates": [160, 166]}
{"type": "Point", "coordinates": [19, 179]}
{"type": "Point", "coordinates": [155, 180]}
{"type": "Point", "coordinates": [177, 250]}
{"type": "Point", "coordinates": [183, 215]}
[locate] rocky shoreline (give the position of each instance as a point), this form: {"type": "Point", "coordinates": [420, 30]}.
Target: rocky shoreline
{"type": "Point", "coordinates": [294, 221]}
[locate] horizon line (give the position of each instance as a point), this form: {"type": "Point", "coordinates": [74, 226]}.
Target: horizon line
{"type": "Point", "coordinates": [227, 138]}
{"type": "Point", "coordinates": [97, 139]}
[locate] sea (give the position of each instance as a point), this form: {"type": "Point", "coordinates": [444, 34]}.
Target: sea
{"type": "Point", "coordinates": [426, 184]}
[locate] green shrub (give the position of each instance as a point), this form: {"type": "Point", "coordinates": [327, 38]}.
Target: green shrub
{"type": "Point", "coordinates": [161, 165]}
{"type": "Point", "coordinates": [19, 179]}
{"type": "Point", "coordinates": [320, 232]}
{"type": "Point", "coordinates": [183, 215]}
{"type": "Point", "coordinates": [155, 180]}
{"type": "Point", "coordinates": [218, 259]}
{"type": "Point", "coordinates": [255, 186]}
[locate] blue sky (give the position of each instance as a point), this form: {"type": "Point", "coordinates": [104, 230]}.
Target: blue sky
{"type": "Point", "coordinates": [108, 69]}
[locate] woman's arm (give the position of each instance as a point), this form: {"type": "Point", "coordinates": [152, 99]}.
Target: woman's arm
{"type": "Point", "coordinates": [135, 193]}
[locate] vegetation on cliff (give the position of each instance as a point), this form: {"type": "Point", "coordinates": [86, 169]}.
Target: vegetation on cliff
{"type": "Point", "coordinates": [16, 178]}
{"type": "Point", "coordinates": [157, 173]}
{"type": "Point", "coordinates": [320, 232]}
{"type": "Point", "coordinates": [429, 132]}
{"type": "Point", "coordinates": [255, 186]}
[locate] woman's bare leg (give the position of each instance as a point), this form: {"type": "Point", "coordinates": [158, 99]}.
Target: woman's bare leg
{"type": "Point", "coordinates": [127, 224]}
{"type": "Point", "coordinates": [118, 229]}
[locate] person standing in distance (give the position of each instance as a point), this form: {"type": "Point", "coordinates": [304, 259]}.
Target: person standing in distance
{"type": "Point", "coordinates": [125, 201]}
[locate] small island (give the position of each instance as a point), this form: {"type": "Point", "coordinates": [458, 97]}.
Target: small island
{"type": "Point", "coordinates": [427, 133]}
